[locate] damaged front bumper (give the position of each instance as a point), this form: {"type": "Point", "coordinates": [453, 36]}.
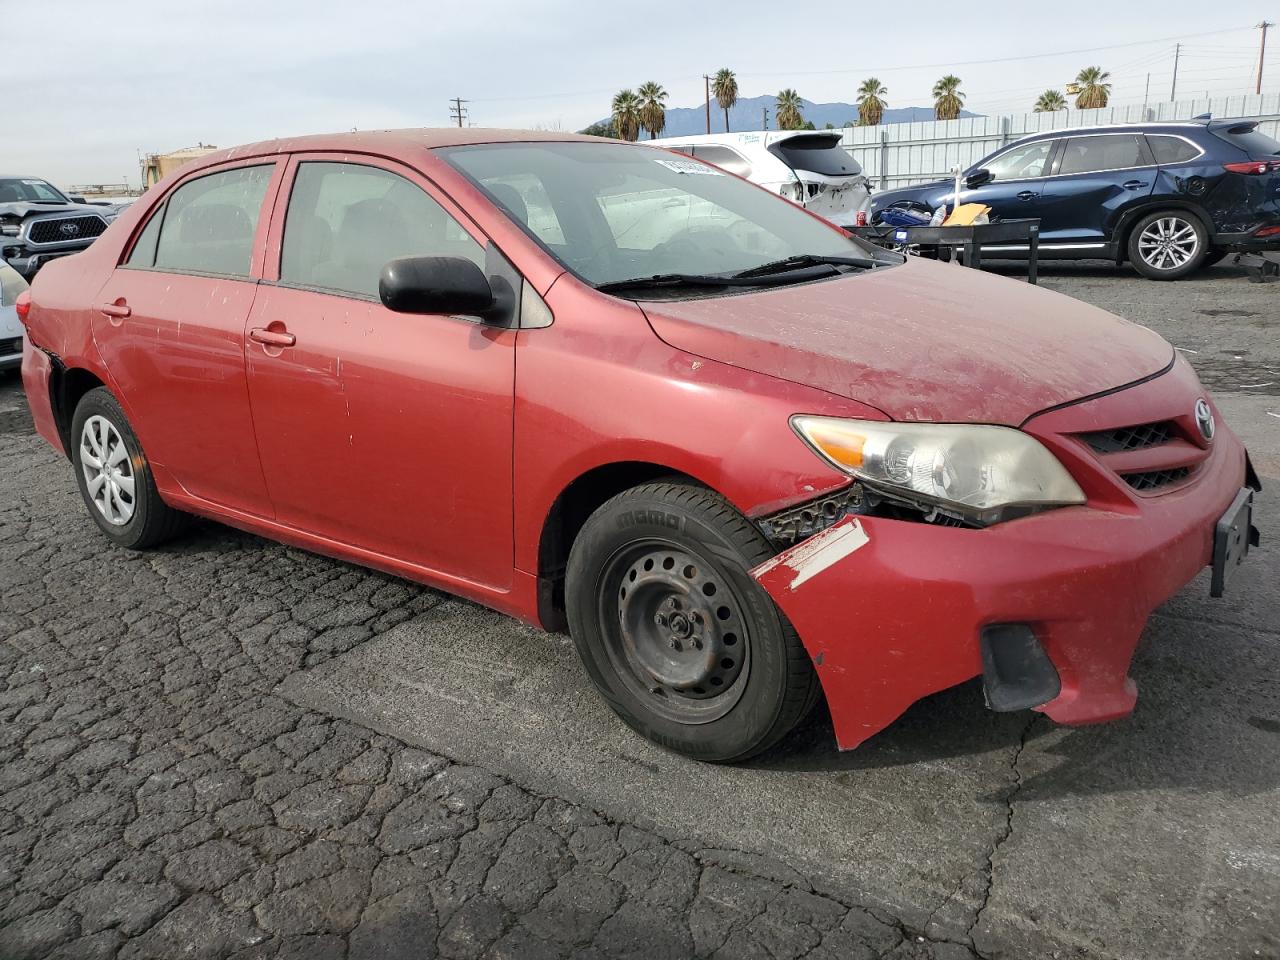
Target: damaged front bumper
{"type": "Point", "coordinates": [893, 610]}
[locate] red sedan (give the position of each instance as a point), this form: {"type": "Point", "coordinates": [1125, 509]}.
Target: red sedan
{"type": "Point", "coordinates": [743, 457]}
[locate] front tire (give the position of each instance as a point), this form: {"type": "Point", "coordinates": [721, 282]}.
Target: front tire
{"type": "Point", "coordinates": [1168, 245]}
{"type": "Point", "coordinates": [675, 634]}
{"type": "Point", "coordinates": [114, 477]}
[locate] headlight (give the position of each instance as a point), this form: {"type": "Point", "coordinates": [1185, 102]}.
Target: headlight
{"type": "Point", "coordinates": [984, 473]}
{"type": "Point", "coordinates": [9, 229]}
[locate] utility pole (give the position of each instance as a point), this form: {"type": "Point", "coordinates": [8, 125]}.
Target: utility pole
{"type": "Point", "coordinates": [764, 118]}
{"type": "Point", "coordinates": [707, 79]}
{"type": "Point", "coordinates": [1146, 95]}
{"type": "Point", "coordinates": [457, 111]}
{"type": "Point", "coordinates": [1177, 51]}
{"type": "Point", "coordinates": [1262, 52]}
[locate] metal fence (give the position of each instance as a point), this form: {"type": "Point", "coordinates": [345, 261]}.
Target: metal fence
{"type": "Point", "coordinates": [898, 154]}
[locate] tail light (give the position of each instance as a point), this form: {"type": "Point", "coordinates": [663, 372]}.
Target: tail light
{"type": "Point", "coordinates": [1268, 232]}
{"type": "Point", "coordinates": [23, 306]}
{"type": "Point", "coordinates": [1253, 167]}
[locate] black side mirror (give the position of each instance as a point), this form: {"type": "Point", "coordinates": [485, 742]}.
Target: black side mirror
{"type": "Point", "coordinates": [448, 285]}
{"type": "Point", "coordinates": [977, 178]}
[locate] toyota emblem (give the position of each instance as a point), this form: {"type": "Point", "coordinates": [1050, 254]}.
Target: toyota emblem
{"type": "Point", "coordinates": [1204, 418]}
{"type": "Point", "coordinates": [69, 229]}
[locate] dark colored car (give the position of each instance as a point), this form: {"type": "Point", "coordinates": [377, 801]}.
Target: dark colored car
{"type": "Point", "coordinates": [39, 223]}
{"type": "Point", "coordinates": [738, 453]}
{"type": "Point", "coordinates": [1168, 198]}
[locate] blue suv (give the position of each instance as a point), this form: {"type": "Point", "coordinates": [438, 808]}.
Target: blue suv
{"type": "Point", "coordinates": [1167, 197]}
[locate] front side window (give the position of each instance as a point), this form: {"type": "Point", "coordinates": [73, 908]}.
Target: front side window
{"type": "Point", "coordinates": [347, 221]}
{"type": "Point", "coordinates": [208, 224]}
{"type": "Point", "coordinates": [1112, 151]}
{"type": "Point", "coordinates": [1021, 163]}
{"type": "Point", "coordinates": [633, 211]}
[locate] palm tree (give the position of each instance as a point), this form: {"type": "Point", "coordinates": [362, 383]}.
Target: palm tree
{"type": "Point", "coordinates": [1050, 102]}
{"type": "Point", "coordinates": [653, 111]}
{"type": "Point", "coordinates": [787, 109]}
{"type": "Point", "coordinates": [725, 88]}
{"type": "Point", "coordinates": [626, 114]}
{"type": "Point", "coordinates": [871, 102]}
{"type": "Point", "coordinates": [947, 98]}
{"type": "Point", "coordinates": [1094, 90]}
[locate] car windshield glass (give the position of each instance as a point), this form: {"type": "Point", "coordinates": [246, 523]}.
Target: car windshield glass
{"type": "Point", "coordinates": [29, 190]}
{"type": "Point", "coordinates": [819, 152]}
{"type": "Point", "coordinates": [611, 212]}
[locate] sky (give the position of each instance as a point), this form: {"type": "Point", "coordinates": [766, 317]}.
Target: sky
{"type": "Point", "coordinates": [130, 77]}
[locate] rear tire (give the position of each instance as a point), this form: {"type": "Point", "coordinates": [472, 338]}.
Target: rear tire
{"type": "Point", "coordinates": [114, 477]}
{"type": "Point", "coordinates": [1168, 244]}
{"type": "Point", "coordinates": [675, 634]}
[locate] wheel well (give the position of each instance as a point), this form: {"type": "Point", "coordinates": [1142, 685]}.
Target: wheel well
{"type": "Point", "coordinates": [570, 511]}
{"type": "Point", "coordinates": [1131, 221]}
{"type": "Point", "coordinates": [66, 387]}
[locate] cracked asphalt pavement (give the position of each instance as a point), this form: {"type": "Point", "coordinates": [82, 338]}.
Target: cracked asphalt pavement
{"type": "Point", "coordinates": [230, 748]}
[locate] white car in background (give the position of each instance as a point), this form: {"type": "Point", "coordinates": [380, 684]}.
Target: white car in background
{"type": "Point", "coordinates": [808, 167]}
{"type": "Point", "coordinates": [11, 284]}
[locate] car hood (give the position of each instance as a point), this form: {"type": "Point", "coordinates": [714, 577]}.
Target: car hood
{"type": "Point", "coordinates": [921, 341]}
{"type": "Point", "coordinates": [883, 198]}
{"type": "Point", "coordinates": [23, 209]}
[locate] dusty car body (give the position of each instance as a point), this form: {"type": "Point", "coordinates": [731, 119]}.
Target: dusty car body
{"type": "Point", "coordinates": [39, 223]}
{"type": "Point", "coordinates": [835, 467]}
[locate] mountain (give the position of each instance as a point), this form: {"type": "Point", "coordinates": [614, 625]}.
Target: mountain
{"type": "Point", "coordinates": [745, 115]}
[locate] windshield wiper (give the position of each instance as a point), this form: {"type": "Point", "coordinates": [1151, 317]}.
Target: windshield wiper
{"type": "Point", "coordinates": [797, 274]}
{"type": "Point", "coordinates": [787, 264]}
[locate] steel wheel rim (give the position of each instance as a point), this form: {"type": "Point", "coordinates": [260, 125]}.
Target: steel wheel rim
{"type": "Point", "coordinates": [108, 470]}
{"type": "Point", "coordinates": [1168, 243]}
{"type": "Point", "coordinates": [686, 660]}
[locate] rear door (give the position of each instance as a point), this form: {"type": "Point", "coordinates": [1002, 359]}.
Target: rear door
{"type": "Point", "coordinates": [385, 431]}
{"type": "Point", "coordinates": [1094, 180]}
{"type": "Point", "coordinates": [169, 324]}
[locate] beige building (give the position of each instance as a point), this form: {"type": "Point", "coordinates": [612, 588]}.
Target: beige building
{"type": "Point", "coordinates": [157, 166]}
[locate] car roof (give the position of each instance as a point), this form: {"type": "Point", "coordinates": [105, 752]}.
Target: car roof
{"type": "Point", "coordinates": [1172, 126]}
{"type": "Point", "coordinates": [393, 142]}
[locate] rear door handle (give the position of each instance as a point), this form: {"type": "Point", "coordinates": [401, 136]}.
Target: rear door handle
{"type": "Point", "coordinates": [1134, 184]}
{"type": "Point", "coordinates": [118, 309]}
{"type": "Point", "coordinates": [1027, 195]}
{"type": "Point", "coordinates": [272, 338]}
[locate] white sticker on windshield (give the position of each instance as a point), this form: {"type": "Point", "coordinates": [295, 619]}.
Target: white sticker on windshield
{"type": "Point", "coordinates": [689, 166]}
{"type": "Point", "coordinates": [34, 183]}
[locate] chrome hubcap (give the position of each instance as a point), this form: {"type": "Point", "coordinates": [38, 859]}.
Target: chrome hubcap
{"type": "Point", "coordinates": [1168, 243]}
{"type": "Point", "coordinates": [108, 470]}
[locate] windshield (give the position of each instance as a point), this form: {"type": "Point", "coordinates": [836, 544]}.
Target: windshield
{"type": "Point", "coordinates": [611, 212]}
{"type": "Point", "coordinates": [29, 190]}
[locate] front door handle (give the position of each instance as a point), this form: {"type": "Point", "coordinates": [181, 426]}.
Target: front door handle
{"type": "Point", "coordinates": [1134, 184]}
{"type": "Point", "coordinates": [1027, 195]}
{"type": "Point", "coordinates": [272, 338]}
{"type": "Point", "coordinates": [118, 309]}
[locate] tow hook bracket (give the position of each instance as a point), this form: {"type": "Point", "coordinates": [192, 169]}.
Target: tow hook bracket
{"type": "Point", "coordinates": [1016, 672]}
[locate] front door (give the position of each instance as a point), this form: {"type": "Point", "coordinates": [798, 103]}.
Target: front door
{"type": "Point", "coordinates": [169, 325]}
{"type": "Point", "coordinates": [1017, 179]}
{"type": "Point", "coordinates": [1093, 181]}
{"type": "Point", "coordinates": [384, 431]}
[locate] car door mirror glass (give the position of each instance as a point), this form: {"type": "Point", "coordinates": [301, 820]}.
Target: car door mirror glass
{"type": "Point", "coordinates": [976, 178]}
{"type": "Point", "coordinates": [439, 285]}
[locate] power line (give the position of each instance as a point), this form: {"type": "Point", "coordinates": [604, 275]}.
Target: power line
{"type": "Point", "coordinates": [457, 111]}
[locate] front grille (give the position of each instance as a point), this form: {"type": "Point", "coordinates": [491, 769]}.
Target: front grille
{"type": "Point", "coordinates": [65, 229]}
{"type": "Point", "coordinates": [10, 346]}
{"type": "Point", "coordinates": [1124, 439]}
{"type": "Point", "coordinates": [1154, 479]}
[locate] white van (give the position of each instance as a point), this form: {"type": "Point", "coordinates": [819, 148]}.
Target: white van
{"type": "Point", "coordinates": [808, 167]}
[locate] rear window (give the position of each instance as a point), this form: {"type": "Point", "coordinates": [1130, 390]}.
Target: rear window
{"type": "Point", "coordinates": [1172, 149]}
{"type": "Point", "coordinates": [209, 224]}
{"type": "Point", "coordinates": [1111, 151]}
{"type": "Point", "coordinates": [820, 153]}
{"type": "Point", "coordinates": [1251, 140]}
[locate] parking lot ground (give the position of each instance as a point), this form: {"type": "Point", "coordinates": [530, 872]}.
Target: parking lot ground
{"type": "Point", "coordinates": [227, 747]}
